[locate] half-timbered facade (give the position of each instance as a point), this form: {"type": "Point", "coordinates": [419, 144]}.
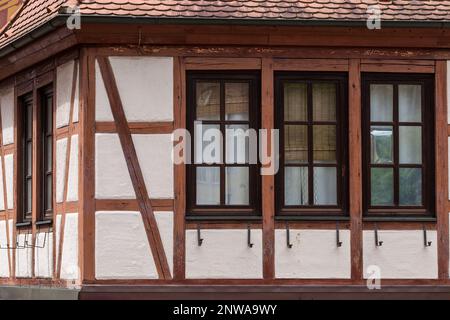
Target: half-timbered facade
{"type": "Point", "coordinates": [355, 120]}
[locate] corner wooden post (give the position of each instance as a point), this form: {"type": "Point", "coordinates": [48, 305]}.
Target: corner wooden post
{"type": "Point", "coordinates": [268, 181]}
{"type": "Point", "coordinates": [86, 199]}
{"type": "Point", "coordinates": [355, 168]}
{"type": "Point", "coordinates": [441, 154]}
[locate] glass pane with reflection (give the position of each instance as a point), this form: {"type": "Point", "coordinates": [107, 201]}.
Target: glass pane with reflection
{"type": "Point", "coordinates": [237, 186]}
{"type": "Point", "coordinates": [324, 101]}
{"type": "Point", "coordinates": [410, 146]}
{"type": "Point", "coordinates": [324, 143]}
{"type": "Point", "coordinates": [381, 144]}
{"type": "Point", "coordinates": [410, 187]}
{"type": "Point", "coordinates": [382, 186]}
{"type": "Point", "coordinates": [208, 185]}
{"type": "Point", "coordinates": [295, 102]}
{"type": "Point", "coordinates": [208, 100]}
{"type": "Point", "coordinates": [295, 186]}
{"type": "Point", "coordinates": [236, 101]}
{"type": "Point", "coordinates": [296, 144]}
{"type": "Point", "coordinates": [410, 103]}
{"type": "Point", "coordinates": [381, 102]}
{"type": "Point", "coordinates": [325, 186]}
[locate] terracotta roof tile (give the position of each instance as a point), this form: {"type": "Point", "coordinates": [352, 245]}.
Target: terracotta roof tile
{"type": "Point", "coordinates": [36, 12]}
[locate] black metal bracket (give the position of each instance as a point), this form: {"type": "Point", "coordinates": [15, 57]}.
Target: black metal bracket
{"type": "Point", "coordinates": [249, 237]}
{"type": "Point", "coordinates": [199, 236]}
{"type": "Point", "coordinates": [426, 243]}
{"type": "Point", "coordinates": [338, 240]}
{"type": "Point", "coordinates": [377, 242]}
{"type": "Point", "coordinates": [288, 236]}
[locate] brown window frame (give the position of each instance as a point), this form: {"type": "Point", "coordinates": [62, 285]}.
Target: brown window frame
{"type": "Point", "coordinates": [222, 211]}
{"type": "Point", "coordinates": [35, 101]}
{"type": "Point", "coordinates": [339, 211]}
{"type": "Point", "coordinates": [427, 209]}
{"type": "Point", "coordinates": [26, 102]}
{"type": "Point", "coordinates": [45, 213]}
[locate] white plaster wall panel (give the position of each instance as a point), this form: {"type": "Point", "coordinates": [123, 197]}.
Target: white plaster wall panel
{"type": "Point", "coordinates": [112, 179]}
{"type": "Point", "coordinates": [57, 237]}
{"type": "Point", "coordinates": [43, 255]}
{"type": "Point", "coordinates": [4, 262]}
{"type": "Point", "coordinates": [23, 256]}
{"type": "Point", "coordinates": [154, 153]}
{"type": "Point", "coordinates": [9, 173]}
{"type": "Point", "coordinates": [61, 152]}
{"type": "Point", "coordinates": [69, 259]}
{"type": "Point", "coordinates": [402, 255]}
{"type": "Point", "coordinates": [122, 250]}
{"type": "Point", "coordinates": [224, 254]}
{"type": "Point", "coordinates": [102, 107]}
{"type": "Point", "coordinates": [7, 112]}
{"type": "Point", "coordinates": [164, 221]}
{"type": "Point", "coordinates": [2, 198]}
{"type": "Point", "coordinates": [64, 82]}
{"type": "Point", "coordinates": [314, 255]}
{"type": "Point", "coordinates": [146, 87]}
{"type": "Point", "coordinates": [72, 183]}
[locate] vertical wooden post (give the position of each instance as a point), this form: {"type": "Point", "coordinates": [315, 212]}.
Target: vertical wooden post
{"type": "Point", "coordinates": [179, 113]}
{"type": "Point", "coordinates": [355, 168]}
{"type": "Point", "coordinates": [87, 166]}
{"type": "Point", "coordinates": [268, 181]}
{"type": "Point", "coordinates": [441, 154]}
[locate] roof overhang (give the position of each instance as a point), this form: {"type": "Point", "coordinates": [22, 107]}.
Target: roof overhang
{"type": "Point", "coordinates": [60, 19]}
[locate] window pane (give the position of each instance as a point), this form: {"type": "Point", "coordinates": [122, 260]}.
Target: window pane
{"type": "Point", "coordinates": [237, 186]}
{"type": "Point", "coordinates": [208, 100]}
{"type": "Point", "coordinates": [410, 146]}
{"type": "Point", "coordinates": [237, 143]}
{"type": "Point", "coordinates": [48, 192]}
{"type": "Point", "coordinates": [296, 144]}
{"type": "Point", "coordinates": [324, 144]}
{"type": "Point", "coordinates": [381, 101]}
{"type": "Point", "coordinates": [208, 186]}
{"type": "Point", "coordinates": [48, 113]}
{"type": "Point", "coordinates": [381, 144]}
{"type": "Point", "coordinates": [295, 102]}
{"type": "Point", "coordinates": [28, 199]}
{"type": "Point", "coordinates": [325, 186]}
{"type": "Point", "coordinates": [208, 143]}
{"type": "Point", "coordinates": [236, 101]}
{"type": "Point", "coordinates": [29, 158]}
{"type": "Point", "coordinates": [410, 103]}
{"type": "Point", "coordinates": [48, 150]}
{"type": "Point", "coordinates": [29, 124]}
{"type": "Point", "coordinates": [382, 186]}
{"type": "Point", "coordinates": [324, 101]}
{"type": "Point", "coordinates": [410, 186]}
{"type": "Point", "coordinates": [296, 186]}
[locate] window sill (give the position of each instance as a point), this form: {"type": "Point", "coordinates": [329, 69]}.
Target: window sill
{"type": "Point", "coordinates": [44, 223]}
{"type": "Point", "coordinates": [21, 225]}
{"type": "Point", "coordinates": [399, 219]}
{"type": "Point", "coordinates": [222, 218]}
{"type": "Point", "coordinates": [311, 218]}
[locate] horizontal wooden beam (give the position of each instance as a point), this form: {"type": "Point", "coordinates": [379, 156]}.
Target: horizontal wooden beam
{"type": "Point", "coordinates": [131, 205]}
{"type": "Point", "coordinates": [63, 132]}
{"type": "Point", "coordinates": [397, 68]}
{"type": "Point", "coordinates": [137, 127]}
{"type": "Point", "coordinates": [67, 207]}
{"type": "Point", "coordinates": [310, 64]}
{"type": "Point", "coordinates": [196, 63]}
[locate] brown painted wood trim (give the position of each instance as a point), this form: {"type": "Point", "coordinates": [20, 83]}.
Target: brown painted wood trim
{"type": "Point", "coordinates": [8, 149]}
{"type": "Point", "coordinates": [137, 127]}
{"type": "Point", "coordinates": [355, 168]}
{"type": "Point", "coordinates": [63, 132]}
{"type": "Point", "coordinates": [132, 205]}
{"type": "Point", "coordinates": [317, 225]}
{"type": "Point", "coordinates": [36, 172]}
{"type": "Point", "coordinates": [55, 207]}
{"type": "Point", "coordinates": [310, 65]}
{"type": "Point", "coordinates": [67, 164]}
{"type": "Point", "coordinates": [67, 207]}
{"type": "Point", "coordinates": [5, 197]}
{"type": "Point", "coordinates": [17, 136]}
{"type": "Point", "coordinates": [268, 181]}
{"type": "Point", "coordinates": [198, 63]}
{"type": "Point", "coordinates": [279, 52]}
{"type": "Point", "coordinates": [396, 68]}
{"type": "Point", "coordinates": [442, 168]}
{"type": "Point", "coordinates": [134, 169]}
{"type": "Point", "coordinates": [281, 282]}
{"type": "Point", "coordinates": [179, 235]}
{"type": "Point", "coordinates": [406, 62]}
{"type": "Point", "coordinates": [399, 225]}
{"type": "Point", "coordinates": [87, 166]}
